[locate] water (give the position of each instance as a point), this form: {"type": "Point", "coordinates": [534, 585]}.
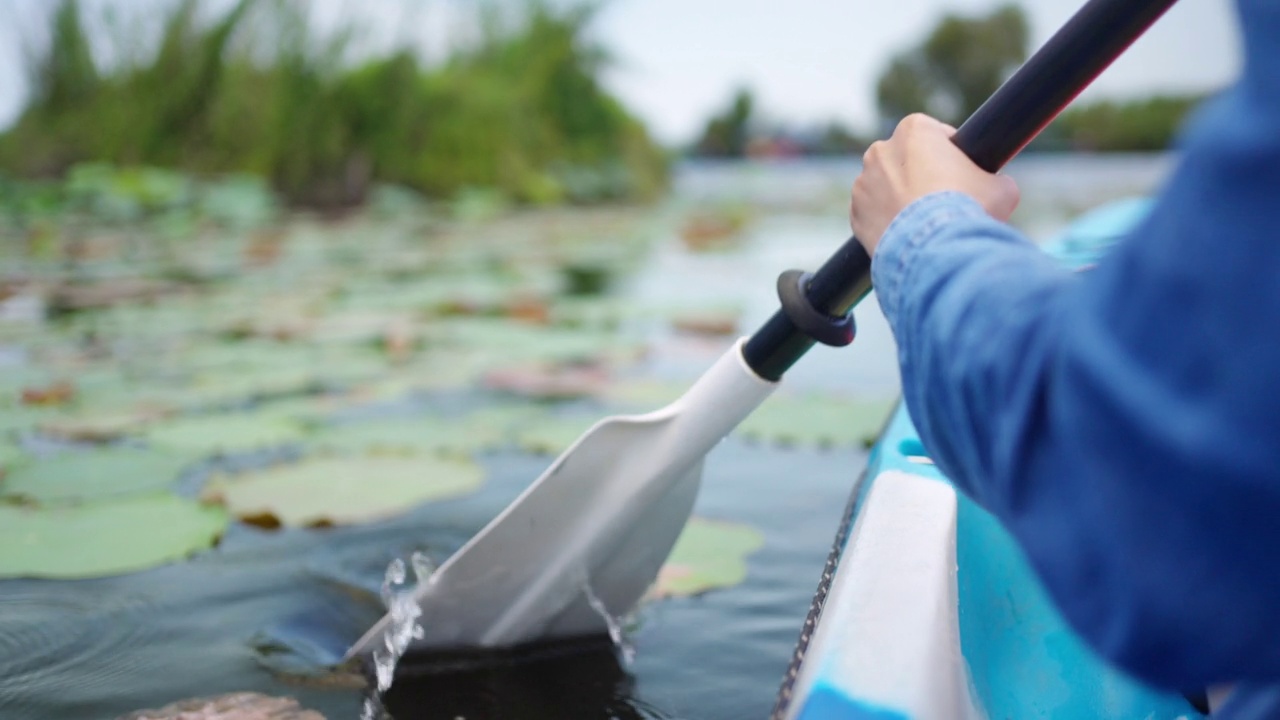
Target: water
{"type": "Point", "coordinates": [403, 609]}
{"type": "Point", "coordinates": [271, 612]}
{"type": "Point", "coordinates": [615, 625]}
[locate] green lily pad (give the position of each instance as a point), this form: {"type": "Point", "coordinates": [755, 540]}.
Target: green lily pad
{"type": "Point", "coordinates": [94, 475]}
{"type": "Point", "coordinates": [709, 555]}
{"type": "Point", "coordinates": [107, 538]}
{"type": "Point", "coordinates": [343, 490]}
{"type": "Point", "coordinates": [11, 456]}
{"type": "Point", "coordinates": [94, 425]}
{"type": "Point", "coordinates": [224, 433]}
{"type": "Point", "coordinates": [510, 341]}
{"type": "Point", "coordinates": [553, 434]}
{"type": "Point", "coordinates": [817, 420]}
{"type": "Point", "coordinates": [456, 435]}
{"type": "Point", "coordinates": [644, 395]}
{"type": "Point", "coordinates": [22, 419]}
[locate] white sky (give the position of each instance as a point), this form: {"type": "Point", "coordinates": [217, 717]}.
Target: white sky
{"type": "Point", "coordinates": [808, 60]}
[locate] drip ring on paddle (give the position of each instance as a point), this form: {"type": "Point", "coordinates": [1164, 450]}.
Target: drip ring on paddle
{"type": "Point", "coordinates": [824, 328]}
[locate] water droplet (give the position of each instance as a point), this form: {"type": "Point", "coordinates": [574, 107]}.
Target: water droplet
{"type": "Point", "coordinates": [613, 624]}
{"type": "Point", "coordinates": [402, 608]}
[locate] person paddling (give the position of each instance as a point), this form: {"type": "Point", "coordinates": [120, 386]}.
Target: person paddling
{"type": "Point", "coordinates": [1123, 423]}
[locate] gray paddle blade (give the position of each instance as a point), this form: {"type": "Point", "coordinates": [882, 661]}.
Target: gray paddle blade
{"type": "Point", "coordinates": [592, 532]}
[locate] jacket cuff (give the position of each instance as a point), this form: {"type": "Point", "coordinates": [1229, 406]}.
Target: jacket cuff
{"type": "Point", "coordinates": [909, 232]}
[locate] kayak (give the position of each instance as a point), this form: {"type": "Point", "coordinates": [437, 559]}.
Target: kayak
{"type": "Point", "coordinates": [927, 609]}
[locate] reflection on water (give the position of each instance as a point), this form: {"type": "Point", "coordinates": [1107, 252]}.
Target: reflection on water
{"type": "Point", "coordinates": [569, 679]}
{"type": "Point", "coordinates": [274, 612]}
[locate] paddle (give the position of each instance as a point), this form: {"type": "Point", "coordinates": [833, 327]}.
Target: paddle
{"type": "Point", "coordinates": [588, 537]}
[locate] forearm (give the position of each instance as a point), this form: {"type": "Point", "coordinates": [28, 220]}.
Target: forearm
{"type": "Point", "coordinates": [970, 301]}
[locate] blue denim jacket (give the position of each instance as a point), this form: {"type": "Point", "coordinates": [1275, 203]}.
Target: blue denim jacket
{"type": "Point", "coordinates": [1123, 423]}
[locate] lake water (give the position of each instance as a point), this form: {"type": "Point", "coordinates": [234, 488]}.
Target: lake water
{"type": "Point", "coordinates": [265, 610]}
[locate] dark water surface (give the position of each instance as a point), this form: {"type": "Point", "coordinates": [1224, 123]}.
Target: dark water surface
{"type": "Point", "coordinates": [266, 611]}
{"type": "Point", "coordinates": [100, 648]}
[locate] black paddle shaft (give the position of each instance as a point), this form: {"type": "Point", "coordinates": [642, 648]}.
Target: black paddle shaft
{"type": "Point", "coordinates": [817, 307]}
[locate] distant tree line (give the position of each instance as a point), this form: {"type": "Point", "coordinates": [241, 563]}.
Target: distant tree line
{"type": "Point", "coordinates": [257, 90]}
{"type": "Point", "coordinates": [964, 60]}
{"type": "Point", "coordinates": [737, 131]}
{"type": "Point", "coordinates": [948, 75]}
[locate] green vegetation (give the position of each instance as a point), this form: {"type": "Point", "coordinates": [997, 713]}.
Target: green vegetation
{"type": "Point", "coordinates": [709, 555]}
{"type": "Point", "coordinates": [737, 131]}
{"type": "Point", "coordinates": [257, 90]}
{"type": "Point", "coordinates": [1135, 125]}
{"type": "Point", "coordinates": [964, 60]}
{"type": "Point", "coordinates": [956, 68]}
{"type": "Point", "coordinates": [726, 134]}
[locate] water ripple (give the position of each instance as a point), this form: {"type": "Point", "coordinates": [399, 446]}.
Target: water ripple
{"type": "Point", "coordinates": [45, 636]}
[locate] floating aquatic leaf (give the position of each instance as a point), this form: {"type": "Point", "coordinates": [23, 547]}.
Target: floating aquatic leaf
{"type": "Point", "coordinates": [444, 371]}
{"type": "Point", "coordinates": [238, 201]}
{"type": "Point", "coordinates": [11, 456]}
{"type": "Point", "coordinates": [343, 490]}
{"type": "Point", "coordinates": [553, 434]}
{"type": "Point", "coordinates": [549, 381]}
{"type": "Point", "coordinates": [817, 420]}
{"type": "Point", "coordinates": [514, 341]}
{"type": "Point", "coordinates": [107, 538]}
{"type": "Point", "coordinates": [95, 426]}
{"type": "Point", "coordinates": [706, 322]}
{"type": "Point", "coordinates": [224, 433]}
{"type": "Point", "coordinates": [455, 435]}
{"type": "Point", "coordinates": [709, 555]}
{"type": "Point", "coordinates": [643, 394]}
{"type": "Point", "coordinates": [231, 385]}
{"type": "Point", "coordinates": [602, 313]}
{"type": "Point", "coordinates": [58, 393]}
{"type": "Point", "coordinates": [94, 475]}
{"type": "Point", "coordinates": [22, 419]}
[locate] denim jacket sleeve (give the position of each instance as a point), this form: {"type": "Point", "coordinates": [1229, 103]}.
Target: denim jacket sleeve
{"type": "Point", "coordinates": [1123, 423]}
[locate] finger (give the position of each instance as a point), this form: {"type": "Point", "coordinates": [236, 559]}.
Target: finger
{"type": "Point", "coordinates": [1006, 198]}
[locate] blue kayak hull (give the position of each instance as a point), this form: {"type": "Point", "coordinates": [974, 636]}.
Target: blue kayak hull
{"type": "Point", "coordinates": [928, 610]}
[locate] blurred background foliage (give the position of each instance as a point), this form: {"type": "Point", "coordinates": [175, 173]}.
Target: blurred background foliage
{"type": "Point", "coordinates": [949, 74]}
{"type": "Point", "coordinates": [258, 90]}
{"type": "Point", "coordinates": [963, 60]}
{"type": "Point", "coordinates": [957, 67]}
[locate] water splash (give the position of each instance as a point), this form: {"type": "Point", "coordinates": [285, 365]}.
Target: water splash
{"type": "Point", "coordinates": [614, 625]}
{"type": "Point", "coordinates": [403, 629]}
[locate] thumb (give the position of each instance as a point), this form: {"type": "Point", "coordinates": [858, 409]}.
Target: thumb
{"type": "Point", "coordinates": [1004, 199]}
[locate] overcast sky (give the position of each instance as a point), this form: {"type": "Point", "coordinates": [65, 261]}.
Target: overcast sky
{"type": "Point", "coordinates": [807, 60]}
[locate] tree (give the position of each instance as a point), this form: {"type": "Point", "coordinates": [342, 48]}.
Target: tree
{"type": "Point", "coordinates": [956, 68]}
{"type": "Point", "coordinates": [727, 133]}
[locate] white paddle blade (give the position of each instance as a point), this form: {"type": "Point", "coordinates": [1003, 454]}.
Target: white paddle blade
{"type": "Point", "coordinates": [592, 531]}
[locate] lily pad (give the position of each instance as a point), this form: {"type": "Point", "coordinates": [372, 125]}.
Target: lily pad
{"type": "Point", "coordinates": [553, 434]}
{"type": "Point", "coordinates": [644, 395]}
{"type": "Point", "coordinates": [11, 456]}
{"type": "Point", "coordinates": [95, 426]}
{"type": "Point", "coordinates": [94, 475]}
{"type": "Point", "coordinates": [709, 555]}
{"type": "Point", "coordinates": [22, 419]}
{"type": "Point", "coordinates": [512, 341]}
{"type": "Point", "coordinates": [817, 420]}
{"type": "Point", "coordinates": [107, 538]}
{"type": "Point", "coordinates": [465, 434]}
{"type": "Point", "coordinates": [549, 381]}
{"type": "Point", "coordinates": [343, 490]}
{"type": "Point", "coordinates": [225, 433]}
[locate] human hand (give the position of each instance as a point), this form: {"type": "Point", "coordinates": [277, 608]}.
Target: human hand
{"type": "Point", "coordinates": [918, 160]}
